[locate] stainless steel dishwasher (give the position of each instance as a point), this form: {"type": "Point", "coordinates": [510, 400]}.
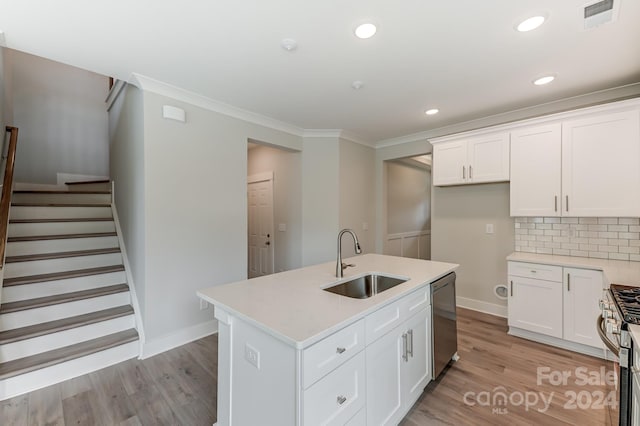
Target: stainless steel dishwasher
{"type": "Point", "coordinates": [444, 341]}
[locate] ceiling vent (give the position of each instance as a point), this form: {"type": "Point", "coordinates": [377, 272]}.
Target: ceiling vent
{"type": "Point", "coordinates": [600, 12]}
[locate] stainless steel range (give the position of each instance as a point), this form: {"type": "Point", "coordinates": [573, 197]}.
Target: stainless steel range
{"type": "Point", "coordinates": [620, 308]}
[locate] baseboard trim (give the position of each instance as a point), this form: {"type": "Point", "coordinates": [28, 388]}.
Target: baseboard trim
{"type": "Point", "coordinates": [560, 343]}
{"type": "Point", "coordinates": [480, 306]}
{"type": "Point", "coordinates": [162, 344]}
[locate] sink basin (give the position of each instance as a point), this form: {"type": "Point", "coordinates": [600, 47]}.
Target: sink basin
{"type": "Point", "coordinates": [365, 286]}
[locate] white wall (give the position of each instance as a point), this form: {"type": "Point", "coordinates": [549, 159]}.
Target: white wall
{"type": "Point", "coordinates": [3, 119]}
{"type": "Point", "coordinates": [408, 197]}
{"type": "Point", "coordinates": [357, 196]}
{"type": "Point", "coordinates": [286, 166]}
{"type": "Point", "coordinates": [459, 216]}
{"type": "Point", "coordinates": [61, 113]}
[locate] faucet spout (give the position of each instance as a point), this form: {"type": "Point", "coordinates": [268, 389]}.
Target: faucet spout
{"type": "Point", "coordinates": [340, 266]}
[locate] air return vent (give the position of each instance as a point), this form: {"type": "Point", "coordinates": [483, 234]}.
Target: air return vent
{"type": "Point", "coordinates": [600, 12]}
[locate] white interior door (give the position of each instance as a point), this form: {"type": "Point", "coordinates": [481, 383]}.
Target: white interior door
{"type": "Point", "coordinates": [260, 227]}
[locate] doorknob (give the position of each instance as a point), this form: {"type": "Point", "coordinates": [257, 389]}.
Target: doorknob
{"type": "Point", "coordinates": [268, 243]}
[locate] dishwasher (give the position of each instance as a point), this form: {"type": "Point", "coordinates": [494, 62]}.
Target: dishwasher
{"type": "Point", "coordinates": [444, 340]}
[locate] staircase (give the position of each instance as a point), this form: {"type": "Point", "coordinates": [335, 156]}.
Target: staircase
{"type": "Point", "coordinates": [65, 304]}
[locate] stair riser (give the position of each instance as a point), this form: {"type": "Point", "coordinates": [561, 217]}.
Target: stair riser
{"type": "Point", "coordinates": [44, 377]}
{"type": "Point", "coordinates": [68, 198]}
{"type": "Point", "coordinates": [53, 228]}
{"type": "Point", "coordinates": [27, 317]}
{"type": "Point", "coordinates": [21, 248]}
{"type": "Point", "coordinates": [30, 212]}
{"type": "Point", "coordinates": [51, 288]}
{"type": "Point", "coordinates": [90, 187]}
{"type": "Point", "coordinates": [36, 267]}
{"type": "Point", "coordinates": [36, 345]}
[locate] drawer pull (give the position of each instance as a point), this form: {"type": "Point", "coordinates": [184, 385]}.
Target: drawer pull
{"type": "Point", "coordinates": [410, 350]}
{"type": "Point", "coordinates": [405, 349]}
{"type": "Point", "coordinates": [340, 350]}
{"type": "Point", "coordinates": [533, 271]}
{"type": "Point", "coordinates": [341, 399]}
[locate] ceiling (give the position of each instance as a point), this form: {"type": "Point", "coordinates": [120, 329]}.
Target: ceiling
{"type": "Point", "coordinates": [463, 57]}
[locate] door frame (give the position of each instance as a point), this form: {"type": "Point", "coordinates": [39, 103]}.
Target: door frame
{"type": "Point", "coordinates": [263, 177]}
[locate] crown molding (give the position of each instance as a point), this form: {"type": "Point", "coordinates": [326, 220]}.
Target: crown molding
{"type": "Point", "coordinates": [337, 133]}
{"type": "Point", "coordinates": [155, 86]}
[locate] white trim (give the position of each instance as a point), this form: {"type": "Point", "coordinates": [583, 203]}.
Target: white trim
{"type": "Point", "coordinates": [529, 114]}
{"type": "Point", "coordinates": [114, 93]}
{"type": "Point", "coordinates": [178, 338]}
{"type": "Point", "coordinates": [338, 134]}
{"type": "Point", "coordinates": [560, 343]}
{"type": "Point", "coordinates": [481, 306]}
{"type": "Point", "coordinates": [260, 177]}
{"type": "Point", "coordinates": [127, 269]}
{"type": "Point", "coordinates": [151, 85]}
{"type": "Point", "coordinates": [402, 236]}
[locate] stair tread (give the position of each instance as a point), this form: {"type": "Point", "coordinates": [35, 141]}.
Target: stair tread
{"type": "Point", "coordinates": [40, 302]}
{"type": "Point", "coordinates": [61, 236]}
{"type": "Point", "coordinates": [28, 332]}
{"type": "Point", "coordinates": [63, 220]}
{"type": "Point", "coordinates": [46, 359]}
{"type": "Point", "coordinates": [61, 275]}
{"type": "Point", "coordinates": [86, 182]}
{"type": "Point", "coordinates": [61, 255]}
{"type": "Point", "coordinates": [56, 191]}
{"type": "Point", "coordinates": [60, 205]}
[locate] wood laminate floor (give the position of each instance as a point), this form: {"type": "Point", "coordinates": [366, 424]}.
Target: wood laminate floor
{"type": "Point", "coordinates": [178, 387]}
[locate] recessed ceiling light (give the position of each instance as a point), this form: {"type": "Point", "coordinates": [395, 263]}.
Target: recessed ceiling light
{"type": "Point", "coordinates": [357, 85]}
{"type": "Point", "coordinates": [544, 80]}
{"type": "Point", "coordinates": [365, 30]}
{"type": "Point", "coordinates": [432, 111]}
{"type": "Point", "coordinates": [530, 23]}
{"type": "Point", "coordinates": [289, 44]}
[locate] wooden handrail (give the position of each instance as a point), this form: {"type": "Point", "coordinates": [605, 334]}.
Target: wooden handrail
{"type": "Point", "coordinates": [7, 185]}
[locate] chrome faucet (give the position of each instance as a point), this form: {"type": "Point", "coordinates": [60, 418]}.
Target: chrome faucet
{"type": "Point", "coordinates": [340, 266]}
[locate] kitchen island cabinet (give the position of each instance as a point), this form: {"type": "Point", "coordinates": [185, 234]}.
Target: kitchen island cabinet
{"type": "Point", "coordinates": [291, 353]}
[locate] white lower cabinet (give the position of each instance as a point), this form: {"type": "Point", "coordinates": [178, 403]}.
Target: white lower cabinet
{"type": "Point", "coordinates": [398, 369]}
{"type": "Point", "coordinates": [555, 301]}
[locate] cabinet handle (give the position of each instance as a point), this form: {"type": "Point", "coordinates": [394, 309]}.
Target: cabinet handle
{"type": "Point", "coordinates": [341, 399]}
{"type": "Point", "coordinates": [512, 288]}
{"type": "Point", "coordinates": [410, 351]}
{"type": "Point", "coordinates": [470, 172]}
{"type": "Point", "coordinates": [568, 282]}
{"type": "Point", "coordinates": [464, 172]}
{"type": "Point", "coordinates": [556, 203]}
{"type": "Point", "coordinates": [567, 202]}
{"type": "Point", "coordinates": [405, 354]}
{"type": "Point", "coordinates": [340, 350]}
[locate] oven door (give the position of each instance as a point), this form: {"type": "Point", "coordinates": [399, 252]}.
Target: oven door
{"type": "Point", "coordinates": [635, 396]}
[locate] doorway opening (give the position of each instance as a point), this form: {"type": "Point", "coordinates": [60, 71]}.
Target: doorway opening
{"type": "Point", "coordinates": [274, 204]}
{"type": "Point", "coordinates": [408, 205]}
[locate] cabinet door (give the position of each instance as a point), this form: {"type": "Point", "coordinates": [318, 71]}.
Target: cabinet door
{"type": "Point", "coordinates": [535, 305]}
{"type": "Point", "coordinates": [535, 188]}
{"type": "Point", "coordinates": [416, 371]}
{"type": "Point", "coordinates": [582, 292]}
{"type": "Point", "coordinates": [488, 158]}
{"type": "Point", "coordinates": [601, 165]}
{"type": "Point", "coordinates": [450, 163]}
{"type": "Point", "coordinates": [384, 371]}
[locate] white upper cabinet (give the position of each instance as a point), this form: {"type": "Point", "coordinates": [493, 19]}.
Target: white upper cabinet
{"type": "Point", "coordinates": [536, 188]}
{"type": "Point", "coordinates": [581, 167]}
{"type": "Point", "coordinates": [601, 165]}
{"type": "Point", "coordinates": [475, 159]}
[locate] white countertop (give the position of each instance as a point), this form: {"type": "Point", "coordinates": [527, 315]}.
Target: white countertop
{"type": "Point", "coordinates": [293, 307]}
{"type": "Point", "coordinates": [615, 271]}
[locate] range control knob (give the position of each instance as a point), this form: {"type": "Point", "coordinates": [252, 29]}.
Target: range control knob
{"type": "Point", "coordinates": [613, 327]}
{"type": "Point", "coordinates": [607, 313]}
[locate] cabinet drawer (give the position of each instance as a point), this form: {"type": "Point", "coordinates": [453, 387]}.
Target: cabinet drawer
{"type": "Point", "coordinates": [327, 354]}
{"type": "Point", "coordinates": [416, 301]}
{"type": "Point", "coordinates": [384, 320]}
{"type": "Point", "coordinates": [337, 398]}
{"type": "Point", "coordinates": [359, 419]}
{"type": "Point", "coordinates": [535, 271]}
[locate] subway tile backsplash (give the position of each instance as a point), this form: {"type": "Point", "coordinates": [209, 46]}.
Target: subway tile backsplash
{"type": "Point", "coordinates": [615, 238]}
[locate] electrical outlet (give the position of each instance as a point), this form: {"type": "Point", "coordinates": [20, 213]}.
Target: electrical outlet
{"type": "Point", "coordinates": [252, 355]}
{"type": "Point", "coordinates": [203, 304]}
{"type": "Point", "coordinates": [489, 228]}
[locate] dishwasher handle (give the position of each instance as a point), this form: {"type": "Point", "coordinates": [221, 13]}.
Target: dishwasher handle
{"type": "Point", "coordinates": [443, 282]}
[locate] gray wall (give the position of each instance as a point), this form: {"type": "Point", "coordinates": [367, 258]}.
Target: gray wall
{"type": "Point", "coordinates": [459, 216]}
{"type": "Point", "coordinates": [61, 113]}
{"type": "Point", "coordinates": [408, 197]}
{"type": "Point", "coordinates": [287, 199]}
{"type": "Point", "coordinates": [3, 119]}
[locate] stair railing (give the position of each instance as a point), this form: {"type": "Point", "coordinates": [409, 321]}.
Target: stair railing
{"type": "Point", "coordinates": [7, 185]}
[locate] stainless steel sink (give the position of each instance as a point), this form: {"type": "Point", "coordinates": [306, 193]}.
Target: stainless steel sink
{"type": "Point", "coordinates": [365, 286]}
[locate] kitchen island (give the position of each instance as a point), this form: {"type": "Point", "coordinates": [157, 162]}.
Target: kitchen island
{"type": "Point", "coordinates": [290, 353]}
